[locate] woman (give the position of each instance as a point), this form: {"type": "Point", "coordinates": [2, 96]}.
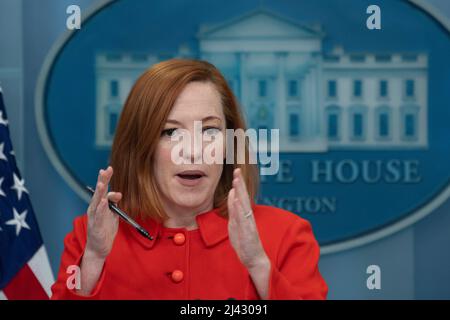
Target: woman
{"type": "Point", "coordinates": [210, 240]}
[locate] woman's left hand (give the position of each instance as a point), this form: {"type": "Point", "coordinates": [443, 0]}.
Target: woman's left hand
{"type": "Point", "coordinates": [242, 230]}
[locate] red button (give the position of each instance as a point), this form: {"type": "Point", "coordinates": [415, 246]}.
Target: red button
{"type": "Point", "coordinates": [177, 275]}
{"type": "Point", "coordinates": [179, 238]}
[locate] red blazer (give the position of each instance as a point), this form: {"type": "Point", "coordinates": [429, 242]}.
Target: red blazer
{"type": "Point", "coordinates": [201, 263]}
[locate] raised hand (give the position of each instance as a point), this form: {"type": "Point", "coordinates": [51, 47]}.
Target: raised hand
{"type": "Point", "coordinates": [102, 226]}
{"type": "Point", "coordinates": [242, 228]}
{"type": "Point", "coordinates": [102, 222]}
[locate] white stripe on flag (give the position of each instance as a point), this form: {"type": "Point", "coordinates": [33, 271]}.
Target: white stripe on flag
{"type": "Point", "coordinates": [40, 266]}
{"type": "Point", "coordinates": [2, 296]}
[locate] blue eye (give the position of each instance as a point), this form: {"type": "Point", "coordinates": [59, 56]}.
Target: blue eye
{"type": "Point", "coordinates": [211, 130]}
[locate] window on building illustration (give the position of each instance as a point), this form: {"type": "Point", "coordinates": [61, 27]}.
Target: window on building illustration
{"type": "Point", "coordinates": [383, 122]}
{"type": "Point", "coordinates": [114, 88]}
{"type": "Point", "coordinates": [409, 57]}
{"type": "Point", "coordinates": [383, 57]}
{"type": "Point", "coordinates": [262, 88]}
{"type": "Point", "coordinates": [332, 88]}
{"type": "Point", "coordinates": [113, 117]}
{"type": "Point", "coordinates": [410, 125]}
{"type": "Point", "coordinates": [357, 58]}
{"type": "Point", "coordinates": [294, 129]}
{"type": "Point", "coordinates": [139, 57]}
{"type": "Point", "coordinates": [113, 57]}
{"type": "Point", "coordinates": [331, 58]}
{"type": "Point", "coordinates": [410, 122]}
{"type": "Point", "coordinates": [262, 112]}
{"type": "Point", "coordinates": [357, 88]}
{"type": "Point", "coordinates": [383, 125]}
{"type": "Point", "coordinates": [333, 121]}
{"type": "Point", "coordinates": [293, 88]}
{"type": "Point", "coordinates": [333, 126]}
{"type": "Point", "coordinates": [357, 125]}
{"type": "Point", "coordinates": [409, 88]}
{"type": "Point", "coordinates": [383, 88]}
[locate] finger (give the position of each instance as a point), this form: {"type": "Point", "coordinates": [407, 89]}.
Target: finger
{"type": "Point", "coordinates": [105, 177]}
{"type": "Point", "coordinates": [114, 196]}
{"type": "Point", "coordinates": [102, 208]}
{"type": "Point", "coordinates": [236, 207]}
{"type": "Point", "coordinates": [107, 212]}
{"type": "Point", "coordinates": [244, 185]}
{"type": "Point", "coordinates": [230, 202]}
{"type": "Point", "coordinates": [242, 194]}
{"type": "Point", "coordinates": [242, 210]}
{"type": "Point", "coordinates": [231, 208]}
{"type": "Point", "coordinates": [95, 201]}
{"type": "Point", "coordinates": [104, 205]}
{"type": "Point", "coordinates": [99, 180]}
{"type": "Point", "coordinates": [232, 223]}
{"type": "Point", "coordinates": [240, 213]}
{"type": "Point", "coordinates": [241, 179]}
{"type": "Point", "coordinates": [101, 189]}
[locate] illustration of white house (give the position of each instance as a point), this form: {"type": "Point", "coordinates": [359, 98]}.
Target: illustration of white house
{"type": "Point", "coordinates": [283, 80]}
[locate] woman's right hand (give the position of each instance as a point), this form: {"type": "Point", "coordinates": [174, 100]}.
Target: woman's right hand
{"type": "Point", "coordinates": [102, 224]}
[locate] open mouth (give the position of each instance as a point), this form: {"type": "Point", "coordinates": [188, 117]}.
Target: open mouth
{"type": "Point", "coordinates": [190, 176]}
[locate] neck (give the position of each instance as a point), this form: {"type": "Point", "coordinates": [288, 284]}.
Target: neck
{"type": "Point", "coordinates": [184, 217]}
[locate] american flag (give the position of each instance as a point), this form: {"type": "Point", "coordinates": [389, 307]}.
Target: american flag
{"type": "Point", "coordinates": [24, 266]}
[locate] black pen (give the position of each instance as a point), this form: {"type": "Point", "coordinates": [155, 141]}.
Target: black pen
{"type": "Point", "coordinates": [125, 217]}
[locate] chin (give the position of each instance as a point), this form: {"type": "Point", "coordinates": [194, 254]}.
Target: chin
{"type": "Point", "coordinates": [190, 202]}
{"type": "Point", "coordinates": [190, 198]}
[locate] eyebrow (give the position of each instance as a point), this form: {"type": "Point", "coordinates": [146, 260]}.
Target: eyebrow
{"type": "Point", "coordinates": [204, 119]}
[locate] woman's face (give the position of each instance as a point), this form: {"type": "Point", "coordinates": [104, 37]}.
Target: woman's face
{"type": "Point", "coordinates": [191, 184]}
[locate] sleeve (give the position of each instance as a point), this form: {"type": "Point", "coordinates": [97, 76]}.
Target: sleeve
{"type": "Point", "coordinates": [74, 244]}
{"type": "Point", "coordinates": [294, 272]}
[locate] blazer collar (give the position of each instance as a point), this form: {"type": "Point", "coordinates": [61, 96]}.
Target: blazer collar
{"type": "Point", "coordinates": [213, 229]}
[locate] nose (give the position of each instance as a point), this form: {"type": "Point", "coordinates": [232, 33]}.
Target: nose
{"type": "Point", "coordinates": [193, 145]}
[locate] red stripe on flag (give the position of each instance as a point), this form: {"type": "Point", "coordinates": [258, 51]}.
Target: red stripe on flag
{"type": "Point", "coordinates": [25, 286]}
